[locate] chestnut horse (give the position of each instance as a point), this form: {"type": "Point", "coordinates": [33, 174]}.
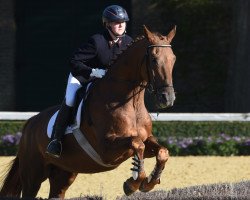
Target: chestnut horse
{"type": "Point", "coordinates": [120, 127]}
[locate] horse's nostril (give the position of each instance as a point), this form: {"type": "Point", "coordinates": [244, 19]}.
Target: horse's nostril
{"type": "Point", "coordinates": [164, 96]}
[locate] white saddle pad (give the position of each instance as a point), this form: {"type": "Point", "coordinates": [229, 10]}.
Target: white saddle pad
{"type": "Point", "coordinates": [69, 129]}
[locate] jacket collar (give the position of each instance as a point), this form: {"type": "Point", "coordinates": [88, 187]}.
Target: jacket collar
{"type": "Point", "coordinates": [110, 40]}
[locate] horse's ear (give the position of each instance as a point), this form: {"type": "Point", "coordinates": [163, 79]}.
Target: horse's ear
{"type": "Point", "coordinates": [171, 34]}
{"type": "Point", "coordinates": [148, 34]}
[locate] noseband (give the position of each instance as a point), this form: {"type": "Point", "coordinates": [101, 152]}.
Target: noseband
{"type": "Point", "coordinates": [151, 79]}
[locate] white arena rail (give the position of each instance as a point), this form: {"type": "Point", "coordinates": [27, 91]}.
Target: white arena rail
{"type": "Point", "coordinates": [155, 116]}
{"type": "Point", "coordinates": [201, 117]}
{"type": "Point", "coordinates": [16, 115]}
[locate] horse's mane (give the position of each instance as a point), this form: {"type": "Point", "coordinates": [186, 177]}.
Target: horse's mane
{"type": "Point", "coordinates": [118, 55]}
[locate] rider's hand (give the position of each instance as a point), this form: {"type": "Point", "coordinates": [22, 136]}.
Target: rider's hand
{"type": "Point", "coordinates": [98, 73]}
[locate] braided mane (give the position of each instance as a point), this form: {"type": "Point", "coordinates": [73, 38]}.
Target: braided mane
{"type": "Point", "coordinates": [118, 55]}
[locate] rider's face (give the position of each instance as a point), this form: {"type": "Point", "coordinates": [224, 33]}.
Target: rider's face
{"type": "Point", "coordinates": [118, 27]}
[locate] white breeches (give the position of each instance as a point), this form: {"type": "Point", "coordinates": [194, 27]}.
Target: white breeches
{"type": "Point", "coordinates": [72, 86]}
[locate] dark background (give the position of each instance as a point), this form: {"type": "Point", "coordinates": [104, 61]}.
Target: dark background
{"type": "Point", "coordinates": [47, 34]}
{"type": "Point", "coordinates": [212, 47]}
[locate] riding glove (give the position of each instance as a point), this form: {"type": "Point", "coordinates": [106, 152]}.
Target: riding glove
{"type": "Point", "coordinates": [98, 73]}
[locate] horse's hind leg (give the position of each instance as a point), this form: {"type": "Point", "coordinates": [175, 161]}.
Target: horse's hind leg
{"type": "Point", "coordinates": [161, 153]}
{"type": "Point", "coordinates": [133, 183]}
{"type": "Point", "coordinates": [60, 180]}
{"type": "Point", "coordinates": [32, 175]}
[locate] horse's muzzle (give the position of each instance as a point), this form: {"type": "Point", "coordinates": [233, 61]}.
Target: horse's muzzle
{"type": "Point", "coordinates": [166, 97]}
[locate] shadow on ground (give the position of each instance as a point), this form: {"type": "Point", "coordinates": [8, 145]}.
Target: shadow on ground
{"type": "Point", "coordinates": [222, 191]}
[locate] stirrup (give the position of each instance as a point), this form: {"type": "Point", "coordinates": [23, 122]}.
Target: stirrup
{"type": "Point", "coordinates": [53, 149]}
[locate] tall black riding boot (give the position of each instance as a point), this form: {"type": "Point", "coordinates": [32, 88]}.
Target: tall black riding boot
{"type": "Point", "coordinates": [54, 148]}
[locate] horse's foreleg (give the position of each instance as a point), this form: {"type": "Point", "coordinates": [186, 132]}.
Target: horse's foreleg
{"type": "Point", "coordinates": [133, 183]}
{"type": "Point", "coordinates": [161, 153]}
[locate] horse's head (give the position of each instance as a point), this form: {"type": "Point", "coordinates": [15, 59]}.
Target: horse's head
{"type": "Point", "coordinates": [160, 63]}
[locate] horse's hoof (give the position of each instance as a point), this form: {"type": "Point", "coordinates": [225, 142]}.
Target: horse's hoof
{"type": "Point", "coordinates": [147, 186]}
{"type": "Point", "coordinates": [127, 190]}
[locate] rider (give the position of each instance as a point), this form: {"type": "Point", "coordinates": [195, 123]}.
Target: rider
{"type": "Point", "coordinates": [90, 61]}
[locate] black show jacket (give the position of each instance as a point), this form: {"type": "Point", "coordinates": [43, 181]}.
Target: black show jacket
{"type": "Point", "coordinates": [96, 53]}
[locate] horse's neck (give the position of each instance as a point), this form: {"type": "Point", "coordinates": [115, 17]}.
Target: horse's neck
{"type": "Point", "coordinates": [128, 66]}
{"type": "Point", "coordinates": [125, 74]}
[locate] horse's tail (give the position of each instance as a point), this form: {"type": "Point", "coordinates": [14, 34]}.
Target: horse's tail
{"type": "Point", "coordinates": [11, 185]}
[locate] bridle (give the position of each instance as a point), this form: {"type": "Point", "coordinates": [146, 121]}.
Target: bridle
{"type": "Point", "coordinates": [151, 79]}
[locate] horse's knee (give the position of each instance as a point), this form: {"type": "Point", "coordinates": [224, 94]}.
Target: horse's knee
{"type": "Point", "coordinates": [163, 155]}
{"type": "Point", "coordinates": [137, 144]}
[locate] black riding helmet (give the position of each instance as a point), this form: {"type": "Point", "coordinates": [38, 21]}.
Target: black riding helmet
{"type": "Point", "coordinates": [114, 13]}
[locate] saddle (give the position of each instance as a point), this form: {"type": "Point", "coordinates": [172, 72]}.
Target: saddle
{"type": "Point", "coordinates": [78, 111]}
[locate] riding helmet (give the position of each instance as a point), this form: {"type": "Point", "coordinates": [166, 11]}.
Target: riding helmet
{"type": "Point", "coordinates": [114, 13]}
